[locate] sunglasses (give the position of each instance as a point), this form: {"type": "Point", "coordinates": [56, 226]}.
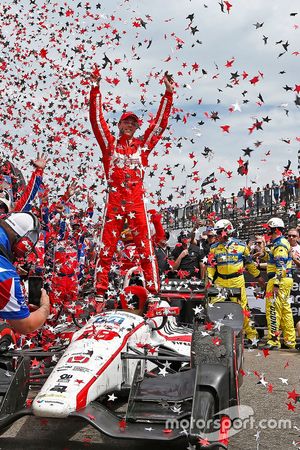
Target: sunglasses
{"type": "Point", "coordinates": [293, 235]}
{"type": "Point", "coordinates": [258, 243]}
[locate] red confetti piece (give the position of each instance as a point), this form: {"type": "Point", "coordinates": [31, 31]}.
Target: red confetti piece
{"type": "Point", "coordinates": [204, 442]}
{"type": "Point", "coordinates": [122, 424]}
{"type": "Point", "coordinates": [290, 406]}
{"type": "Point", "coordinates": [266, 352]}
{"type": "Point", "coordinates": [293, 395]}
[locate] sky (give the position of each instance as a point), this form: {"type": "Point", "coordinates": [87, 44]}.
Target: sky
{"type": "Point", "coordinates": [233, 69]}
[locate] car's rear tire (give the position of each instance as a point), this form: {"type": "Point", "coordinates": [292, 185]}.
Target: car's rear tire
{"type": "Point", "coordinates": [205, 351]}
{"type": "Point", "coordinates": [206, 411]}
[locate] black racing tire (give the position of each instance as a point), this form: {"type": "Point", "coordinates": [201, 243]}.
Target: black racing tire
{"type": "Point", "coordinates": [230, 341]}
{"type": "Point", "coordinates": [204, 351]}
{"type": "Point", "coordinates": [206, 411]}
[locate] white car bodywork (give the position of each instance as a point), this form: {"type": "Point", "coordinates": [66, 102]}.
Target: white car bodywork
{"type": "Point", "coordinates": [92, 365]}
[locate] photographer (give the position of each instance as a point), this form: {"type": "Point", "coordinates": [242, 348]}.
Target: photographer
{"type": "Point", "coordinates": [19, 234]}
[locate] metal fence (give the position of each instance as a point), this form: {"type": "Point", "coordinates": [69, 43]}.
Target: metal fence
{"type": "Point", "coordinates": [252, 210]}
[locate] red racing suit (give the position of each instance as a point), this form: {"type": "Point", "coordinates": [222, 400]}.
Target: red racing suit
{"type": "Point", "coordinates": [64, 282]}
{"type": "Point", "coordinates": [124, 163]}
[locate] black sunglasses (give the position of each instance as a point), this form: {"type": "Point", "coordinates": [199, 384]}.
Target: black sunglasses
{"type": "Point", "coordinates": [292, 235]}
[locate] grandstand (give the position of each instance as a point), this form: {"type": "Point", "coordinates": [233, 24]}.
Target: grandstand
{"type": "Point", "coordinates": [246, 222]}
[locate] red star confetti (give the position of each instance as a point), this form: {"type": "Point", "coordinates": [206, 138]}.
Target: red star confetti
{"type": "Point", "coordinates": [122, 424]}
{"type": "Point", "coordinates": [293, 395]}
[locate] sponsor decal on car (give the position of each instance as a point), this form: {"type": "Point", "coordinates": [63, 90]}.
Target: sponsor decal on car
{"type": "Point", "coordinates": [64, 378]}
{"type": "Point", "coordinates": [112, 320]}
{"type": "Point", "coordinates": [79, 359]}
{"type": "Point", "coordinates": [74, 369]}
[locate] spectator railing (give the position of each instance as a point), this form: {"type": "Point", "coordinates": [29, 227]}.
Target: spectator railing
{"type": "Point", "coordinates": [247, 214]}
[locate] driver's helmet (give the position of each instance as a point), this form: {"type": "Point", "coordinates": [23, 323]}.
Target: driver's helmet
{"type": "Point", "coordinates": [134, 297]}
{"type": "Point", "coordinates": [223, 225]}
{"type": "Point", "coordinates": [275, 222]}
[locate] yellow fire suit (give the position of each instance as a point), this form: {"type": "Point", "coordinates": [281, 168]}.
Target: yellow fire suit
{"type": "Point", "coordinates": [226, 264]}
{"type": "Point", "coordinates": [278, 310]}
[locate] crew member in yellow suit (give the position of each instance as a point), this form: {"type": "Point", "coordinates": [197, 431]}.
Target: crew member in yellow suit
{"type": "Point", "coordinates": [280, 282]}
{"type": "Point", "coordinates": [227, 261]}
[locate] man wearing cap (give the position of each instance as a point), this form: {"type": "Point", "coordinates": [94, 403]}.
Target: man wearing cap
{"type": "Point", "coordinates": [19, 233]}
{"type": "Point", "coordinates": [125, 159]}
{"type": "Point", "coordinates": [187, 256]}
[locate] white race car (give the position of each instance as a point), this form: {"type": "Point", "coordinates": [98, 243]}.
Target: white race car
{"type": "Point", "coordinates": [123, 372]}
{"type": "Point", "coordinates": [93, 364]}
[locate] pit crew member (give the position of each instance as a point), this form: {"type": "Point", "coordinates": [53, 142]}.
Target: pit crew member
{"type": "Point", "coordinates": [227, 261]}
{"type": "Point", "coordinates": [279, 270]}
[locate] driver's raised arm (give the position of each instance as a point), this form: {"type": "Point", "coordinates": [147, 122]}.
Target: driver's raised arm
{"type": "Point", "coordinates": [100, 128]}
{"type": "Point", "coordinates": [158, 125]}
{"type": "Point", "coordinates": [24, 202]}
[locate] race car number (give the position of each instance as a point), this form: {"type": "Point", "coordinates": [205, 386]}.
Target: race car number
{"type": "Point", "coordinates": [106, 335]}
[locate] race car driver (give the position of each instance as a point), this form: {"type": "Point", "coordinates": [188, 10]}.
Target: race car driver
{"type": "Point", "coordinates": [18, 235]}
{"type": "Point", "coordinates": [227, 260]}
{"type": "Point", "coordinates": [124, 159]}
{"type": "Point", "coordinates": [280, 282]}
{"type": "Point", "coordinates": [134, 299]}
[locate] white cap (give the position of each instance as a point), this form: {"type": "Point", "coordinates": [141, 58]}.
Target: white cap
{"type": "Point", "coordinates": [21, 223]}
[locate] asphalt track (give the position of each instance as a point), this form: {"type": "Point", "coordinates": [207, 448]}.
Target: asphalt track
{"type": "Point", "coordinates": [280, 370]}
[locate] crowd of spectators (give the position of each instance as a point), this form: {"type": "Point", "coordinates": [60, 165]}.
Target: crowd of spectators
{"type": "Point", "coordinates": [266, 199]}
{"type": "Point", "coordinates": [274, 197]}
{"type": "Point", "coordinates": [269, 197]}
{"type": "Point", "coordinates": [67, 246]}
{"type": "Point", "coordinates": [196, 243]}
{"type": "Point", "coordinates": [190, 257]}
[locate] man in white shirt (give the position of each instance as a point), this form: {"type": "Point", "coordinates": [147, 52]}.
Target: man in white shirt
{"type": "Point", "coordinates": [293, 238]}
